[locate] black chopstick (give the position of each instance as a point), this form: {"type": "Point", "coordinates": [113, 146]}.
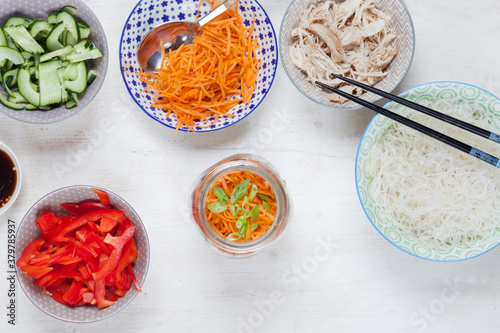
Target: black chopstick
{"type": "Point", "coordinates": [483, 156]}
{"type": "Point", "coordinates": [433, 113]}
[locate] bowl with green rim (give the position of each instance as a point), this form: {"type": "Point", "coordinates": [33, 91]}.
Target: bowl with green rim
{"type": "Point", "coordinates": [484, 104]}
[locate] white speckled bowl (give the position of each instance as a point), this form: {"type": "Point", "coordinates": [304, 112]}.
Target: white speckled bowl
{"type": "Point", "coordinates": [402, 25]}
{"type": "Point", "coordinates": [28, 232]}
{"type": "Point", "coordinates": [40, 9]}
{"type": "Point", "coordinates": [147, 14]}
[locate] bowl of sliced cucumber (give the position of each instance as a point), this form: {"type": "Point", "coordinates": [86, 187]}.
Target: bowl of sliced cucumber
{"type": "Point", "coordinates": [53, 59]}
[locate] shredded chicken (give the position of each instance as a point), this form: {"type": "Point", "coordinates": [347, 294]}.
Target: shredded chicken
{"type": "Point", "coordinates": [351, 38]}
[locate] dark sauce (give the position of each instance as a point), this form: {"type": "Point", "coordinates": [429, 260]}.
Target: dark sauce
{"type": "Point", "coordinates": [8, 178]}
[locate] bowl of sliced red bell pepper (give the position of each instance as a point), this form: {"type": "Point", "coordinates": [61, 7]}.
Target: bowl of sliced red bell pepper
{"type": "Point", "coordinates": [83, 254]}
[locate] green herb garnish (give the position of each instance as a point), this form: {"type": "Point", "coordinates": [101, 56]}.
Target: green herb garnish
{"type": "Point", "coordinates": [254, 218]}
{"type": "Point", "coordinates": [266, 206]}
{"type": "Point", "coordinates": [253, 192]}
{"type": "Point", "coordinates": [232, 209]}
{"type": "Point", "coordinates": [220, 194]}
{"type": "Point", "coordinates": [242, 225]}
{"type": "Point", "coordinates": [234, 236]}
{"type": "Point", "coordinates": [240, 190]}
{"type": "Point", "coordinates": [254, 213]}
{"type": "Point", "coordinates": [216, 207]}
{"type": "Point", "coordinates": [246, 217]}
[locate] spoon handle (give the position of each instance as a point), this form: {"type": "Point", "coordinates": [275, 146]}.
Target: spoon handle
{"type": "Point", "coordinates": [217, 11]}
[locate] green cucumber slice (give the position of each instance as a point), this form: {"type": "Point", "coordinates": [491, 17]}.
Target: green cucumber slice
{"type": "Point", "coordinates": [85, 55]}
{"type": "Point", "coordinates": [52, 18]}
{"type": "Point", "coordinates": [30, 107]}
{"type": "Point", "coordinates": [70, 72]}
{"type": "Point", "coordinates": [16, 97]}
{"type": "Point", "coordinates": [42, 28]}
{"type": "Point", "coordinates": [12, 55]}
{"type": "Point", "coordinates": [70, 105]}
{"type": "Point", "coordinates": [50, 85]}
{"type": "Point", "coordinates": [91, 76]}
{"type": "Point", "coordinates": [57, 53]}
{"type": "Point", "coordinates": [25, 88]}
{"type": "Point", "coordinates": [3, 39]}
{"type": "Point", "coordinates": [15, 21]}
{"type": "Point", "coordinates": [10, 78]}
{"type": "Point", "coordinates": [5, 102]}
{"type": "Point", "coordinates": [70, 9]}
{"type": "Point", "coordinates": [78, 85]}
{"type": "Point", "coordinates": [84, 30]}
{"type": "Point", "coordinates": [53, 37]}
{"type": "Point", "coordinates": [3, 42]}
{"type": "Point", "coordinates": [70, 24]}
{"type": "Point", "coordinates": [24, 39]}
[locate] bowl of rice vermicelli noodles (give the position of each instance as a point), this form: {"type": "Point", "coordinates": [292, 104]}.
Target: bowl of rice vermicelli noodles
{"type": "Point", "coordinates": [426, 198]}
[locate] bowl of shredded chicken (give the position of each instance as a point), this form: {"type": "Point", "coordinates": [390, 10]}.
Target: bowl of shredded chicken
{"type": "Point", "coordinates": [370, 41]}
{"type": "Point", "coordinates": [427, 198]}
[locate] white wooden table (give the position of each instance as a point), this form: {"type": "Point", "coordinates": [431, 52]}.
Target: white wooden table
{"type": "Point", "coordinates": [332, 271]}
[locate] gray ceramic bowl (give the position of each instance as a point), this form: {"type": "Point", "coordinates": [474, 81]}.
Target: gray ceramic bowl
{"type": "Point", "coordinates": [40, 9]}
{"type": "Point", "coordinates": [401, 24]}
{"type": "Point", "coordinates": [28, 232]}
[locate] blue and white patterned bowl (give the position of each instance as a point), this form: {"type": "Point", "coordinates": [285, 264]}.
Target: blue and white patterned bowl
{"type": "Point", "coordinates": [375, 131]}
{"type": "Point", "coordinates": [148, 14]}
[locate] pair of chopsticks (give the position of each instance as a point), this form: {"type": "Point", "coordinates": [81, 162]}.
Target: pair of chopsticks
{"type": "Point", "coordinates": [483, 156]}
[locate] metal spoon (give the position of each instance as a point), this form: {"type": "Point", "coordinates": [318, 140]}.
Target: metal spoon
{"type": "Point", "coordinates": [173, 34]}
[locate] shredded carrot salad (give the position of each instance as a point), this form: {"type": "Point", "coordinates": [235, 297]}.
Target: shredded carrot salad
{"type": "Point", "coordinates": [241, 206]}
{"type": "Point", "coordinates": [209, 77]}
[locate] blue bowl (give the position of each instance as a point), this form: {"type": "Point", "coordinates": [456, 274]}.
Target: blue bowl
{"type": "Point", "coordinates": [148, 14]}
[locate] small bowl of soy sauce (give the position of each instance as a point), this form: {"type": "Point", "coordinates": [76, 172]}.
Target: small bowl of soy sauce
{"type": "Point", "coordinates": [10, 177]}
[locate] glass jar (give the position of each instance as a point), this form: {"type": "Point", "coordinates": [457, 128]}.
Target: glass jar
{"type": "Point", "coordinates": [258, 166]}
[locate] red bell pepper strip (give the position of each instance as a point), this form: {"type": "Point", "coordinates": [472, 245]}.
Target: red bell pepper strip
{"type": "Point", "coordinates": [47, 222]}
{"type": "Point", "coordinates": [100, 295]}
{"type": "Point", "coordinates": [91, 285]}
{"type": "Point", "coordinates": [121, 292]}
{"type": "Point", "coordinates": [96, 242]}
{"type": "Point", "coordinates": [58, 272]}
{"type": "Point", "coordinates": [121, 240]}
{"type": "Point", "coordinates": [82, 233]}
{"type": "Point", "coordinates": [92, 227]}
{"type": "Point", "coordinates": [103, 196]}
{"type": "Point", "coordinates": [64, 256]}
{"type": "Point", "coordinates": [132, 275]}
{"type": "Point", "coordinates": [129, 255]}
{"type": "Point", "coordinates": [107, 224]}
{"type": "Point", "coordinates": [114, 258]}
{"type": "Point", "coordinates": [124, 224]}
{"type": "Point", "coordinates": [35, 271]}
{"type": "Point", "coordinates": [83, 208]}
{"type": "Point", "coordinates": [110, 294]}
{"type": "Point", "coordinates": [39, 257]}
{"type": "Point", "coordinates": [125, 281]}
{"type": "Point", "coordinates": [88, 297]}
{"type": "Point", "coordinates": [73, 294]}
{"type": "Point", "coordinates": [85, 272]}
{"type": "Point", "coordinates": [65, 228]}
{"type": "Point", "coordinates": [29, 252]}
{"type": "Point", "coordinates": [57, 292]}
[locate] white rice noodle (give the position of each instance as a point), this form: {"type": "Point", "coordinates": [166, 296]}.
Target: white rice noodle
{"type": "Point", "coordinates": [434, 192]}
